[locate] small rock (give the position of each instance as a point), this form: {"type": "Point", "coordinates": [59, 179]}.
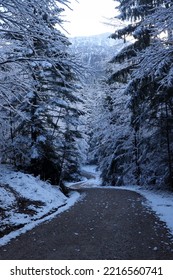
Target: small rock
{"type": "Point", "coordinates": [78, 250]}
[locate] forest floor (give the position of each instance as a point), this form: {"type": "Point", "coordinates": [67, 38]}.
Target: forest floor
{"type": "Point", "coordinates": [107, 223]}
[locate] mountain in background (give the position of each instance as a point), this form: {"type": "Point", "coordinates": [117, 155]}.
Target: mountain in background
{"type": "Point", "coordinates": [94, 52]}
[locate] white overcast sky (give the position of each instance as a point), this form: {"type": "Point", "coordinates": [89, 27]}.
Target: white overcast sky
{"type": "Point", "coordinates": [88, 16]}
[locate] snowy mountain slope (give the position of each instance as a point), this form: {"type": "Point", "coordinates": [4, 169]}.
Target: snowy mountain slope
{"type": "Point", "coordinates": [93, 52]}
{"type": "Point", "coordinates": [25, 199]}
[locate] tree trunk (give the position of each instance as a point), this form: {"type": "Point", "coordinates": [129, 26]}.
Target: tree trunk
{"type": "Point", "coordinates": [137, 164]}
{"type": "Point", "coordinates": [169, 147]}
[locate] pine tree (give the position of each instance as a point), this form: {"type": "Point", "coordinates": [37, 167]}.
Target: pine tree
{"type": "Point", "coordinates": [153, 81]}
{"type": "Point", "coordinates": [146, 69]}
{"type": "Point", "coordinates": [44, 94]}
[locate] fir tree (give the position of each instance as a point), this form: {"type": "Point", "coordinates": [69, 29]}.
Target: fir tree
{"type": "Point", "coordinates": [44, 94]}
{"type": "Point", "coordinates": [146, 69]}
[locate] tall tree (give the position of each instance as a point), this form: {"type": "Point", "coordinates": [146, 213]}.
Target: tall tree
{"type": "Point", "coordinates": [146, 70]}
{"type": "Point", "coordinates": [43, 95]}
{"type": "Point", "coordinates": [153, 81]}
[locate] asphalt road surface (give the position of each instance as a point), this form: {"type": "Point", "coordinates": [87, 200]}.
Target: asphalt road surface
{"type": "Point", "coordinates": [106, 224]}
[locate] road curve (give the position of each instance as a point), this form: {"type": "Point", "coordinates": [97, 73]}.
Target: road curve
{"type": "Point", "coordinates": [106, 224]}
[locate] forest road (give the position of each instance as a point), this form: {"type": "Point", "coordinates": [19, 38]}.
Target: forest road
{"type": "Point", "coordinates": [106, 224]}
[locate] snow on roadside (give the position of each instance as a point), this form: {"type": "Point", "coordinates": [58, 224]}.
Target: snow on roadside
{"type": "Point", "coordinates": [161, 202]}
{"type": "Point", "coordinates": [30, 187]}
{"type": "Point", "coordinates": [52, 198]}
{"type": "Point", "coordinates": [91, 178]}
{"type": "Point", "coordinates": [25, 199]}
{"type": "Point", "coordinates": [74, 197]}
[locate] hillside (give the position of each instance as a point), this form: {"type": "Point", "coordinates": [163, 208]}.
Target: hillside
{"type": "Point", "coordinates": [93, 52]}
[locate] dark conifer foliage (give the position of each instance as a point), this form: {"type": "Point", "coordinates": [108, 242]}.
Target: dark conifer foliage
{"type": "Point", "coordinates": [39, 98]}
{"type": "Point", "coordinates": [143, 72]}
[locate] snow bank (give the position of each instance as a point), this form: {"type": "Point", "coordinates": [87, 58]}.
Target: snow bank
{"type": "Point", "coordinates": [91, 178]}
{"type": "Point", "coordinates": [74, 197]}
{"type": "Point", "coordinates": [25, 201]}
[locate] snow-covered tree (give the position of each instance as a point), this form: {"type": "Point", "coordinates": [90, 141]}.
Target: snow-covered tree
{"type": "Point", "coordinates": [147, 73]}
{"type": "Point", "coordinates": [40, 94]}
{"type": "Point", "coordinates": [152, 83]}
{"type": "Point", "coordinates": [110, 134]}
